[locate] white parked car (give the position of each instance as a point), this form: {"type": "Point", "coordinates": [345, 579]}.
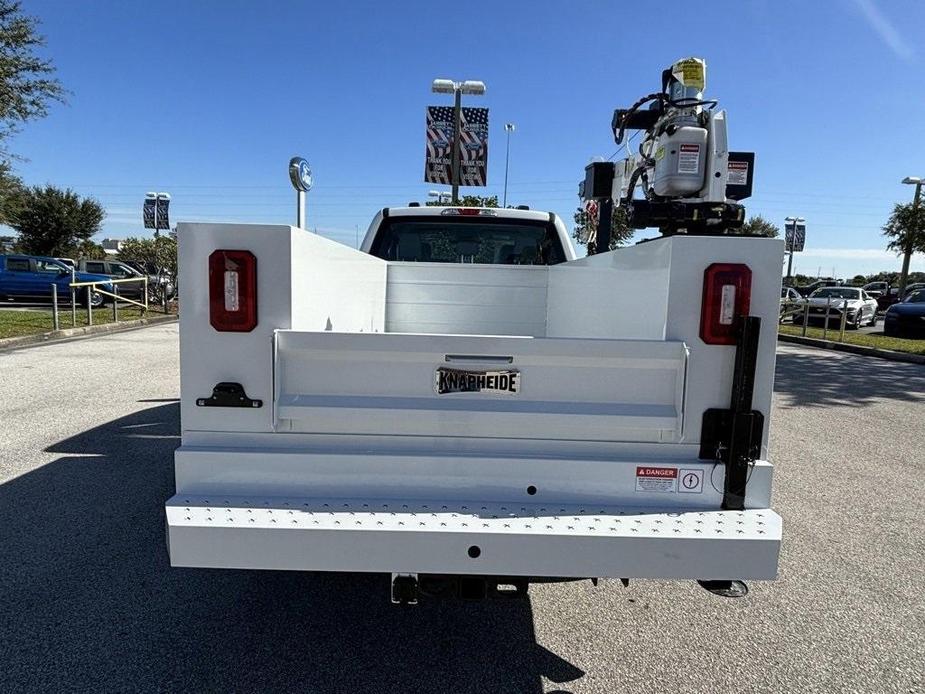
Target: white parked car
{"type": "Point", "coordinates": [860, 307]}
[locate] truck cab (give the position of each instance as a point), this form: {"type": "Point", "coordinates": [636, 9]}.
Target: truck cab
{"type": "Point", "coordinates": [475, 235]}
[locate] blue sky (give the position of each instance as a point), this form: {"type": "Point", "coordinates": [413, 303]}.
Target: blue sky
{"type": "Point", "coordinates": [209, 99]}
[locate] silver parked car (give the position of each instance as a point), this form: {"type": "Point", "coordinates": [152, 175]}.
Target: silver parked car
{"type": "Point", "coordinates": [860, 308]}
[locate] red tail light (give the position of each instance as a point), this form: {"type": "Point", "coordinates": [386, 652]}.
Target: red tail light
{"type": "Point", "coordinates": [727, 293]}
{"type": "Point", "coordinates": [233, 291]}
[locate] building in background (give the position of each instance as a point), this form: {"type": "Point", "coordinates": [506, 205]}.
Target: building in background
{"type": "Point", "coordinates": [112, 246]}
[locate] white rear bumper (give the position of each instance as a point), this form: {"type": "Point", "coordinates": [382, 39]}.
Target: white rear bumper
{"type": "Point", "coordinates": [562, 540]}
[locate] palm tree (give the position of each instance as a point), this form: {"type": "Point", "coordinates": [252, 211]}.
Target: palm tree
{"type": "Point", "coordinates": [906, 228]}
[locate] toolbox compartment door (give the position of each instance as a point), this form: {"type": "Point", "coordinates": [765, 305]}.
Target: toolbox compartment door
{"type": "Point", "coordinates": [567, 389]}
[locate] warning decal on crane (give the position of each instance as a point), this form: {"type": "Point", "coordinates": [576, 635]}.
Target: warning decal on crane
{"type": "Point", "coordinates": [737, 173]}
{"type": "Point", "coordinates": [656, 479]}
{"type": "Point", "coordinates": [688, 159]}
{"type": "Point", "coordinates": [690, 72]}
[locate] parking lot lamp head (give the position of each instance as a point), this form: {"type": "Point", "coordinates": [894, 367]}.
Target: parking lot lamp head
{"type": "Point", "coordinates": [441, 86]}
{"type": "Point", "coordinates": [472, 87]}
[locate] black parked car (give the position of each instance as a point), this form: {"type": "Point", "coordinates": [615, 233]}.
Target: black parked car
{"type": "Point", "coordinates": [907, 318]}
{"type": "Point", "coordinates": [118, 271]}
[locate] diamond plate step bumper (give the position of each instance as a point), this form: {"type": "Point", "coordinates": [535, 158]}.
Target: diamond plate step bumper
{"type": "Point", "coordinates": [562, 540]}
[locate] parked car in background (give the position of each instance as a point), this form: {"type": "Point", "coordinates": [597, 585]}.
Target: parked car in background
{"type": "Point", "coordinates": [876, 289]}
{"type": "Point", "coordinates": [914, 287]}
{"type": "Point", "coordinates": [890, 294]}
{"type": "Point", "coordinates": [790, 300]}
{"type": "Point", "coordinates": [859, 307]}
{"type": "Point", "coordinates": [907, 318]}
{"type": "Point", "coordinates": [887, 298]}
{"type": "Point", "coordinates": [808, 289]}
{"type": "Point", "coordinates": [120, 271]}
{"type": "Point", "coordinates": [31, 277]}
{"type": "Point", "coordinates": [160, 281]}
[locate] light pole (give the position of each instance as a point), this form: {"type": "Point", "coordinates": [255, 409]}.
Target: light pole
{"type": "Point", "coordinates": [442, 196]}
{"type": "Point", "coordinates": [457, 89]}
{"type": "Point", "coordinates": [907, 251]}
{"type": "Point", "coordinates": [508, 128]}
{"type": "Point", "coordinates": [794, 221]}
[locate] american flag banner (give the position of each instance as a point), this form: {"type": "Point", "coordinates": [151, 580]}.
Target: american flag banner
{"type": "Point", "coordinates": [473, 144]}
{"type": "Point", "coordinates": [147, 212]}
{"type": "Point", "coordinates": [163, 218]}
{"type": "Point", "coordinates": [795, 236]}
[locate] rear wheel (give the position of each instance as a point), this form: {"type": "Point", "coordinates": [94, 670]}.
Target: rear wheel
{"type": "Point", "coordinates": [873, 319]}
{"type": "Point", "coordinates": [96, 300]}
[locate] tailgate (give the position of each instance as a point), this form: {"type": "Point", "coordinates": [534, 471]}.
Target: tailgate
{"type": "Point", "coordinates": [566, 389]}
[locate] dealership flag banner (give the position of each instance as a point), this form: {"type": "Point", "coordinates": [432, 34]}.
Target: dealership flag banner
{"type": "Point", "coordinates": [473, 144]}
{"type": "Point", "coordinates": [795, 236]}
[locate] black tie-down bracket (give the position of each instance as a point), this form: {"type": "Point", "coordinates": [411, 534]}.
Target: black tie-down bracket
{"type": "Point", "coordinates": [733, 436]}
{"type": "Point", "coordinates": [228, 394]}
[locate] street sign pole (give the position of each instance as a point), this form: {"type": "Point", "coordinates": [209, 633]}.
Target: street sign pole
{"type": "Point", "coordinates": [300, 175]}
{"type": "Point", "coordinates": [300, 208]}
{"type": "Point", "coordinates": [790, 253]}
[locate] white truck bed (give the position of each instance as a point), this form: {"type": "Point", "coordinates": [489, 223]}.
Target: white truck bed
{"type": "Point", "coordinates": [355, 463]}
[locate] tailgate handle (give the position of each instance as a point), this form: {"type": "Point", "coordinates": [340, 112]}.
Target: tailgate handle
{"type": "Point", "coordinates": [478, 357]}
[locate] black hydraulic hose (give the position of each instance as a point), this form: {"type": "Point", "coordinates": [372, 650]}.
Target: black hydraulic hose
{"type": "Point", "coordinates": [618, 134]}
{"type": "Point", "coordinates": [632, 183]}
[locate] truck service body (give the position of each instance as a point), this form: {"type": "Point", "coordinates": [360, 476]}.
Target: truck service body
{"type": "Point", "coordinates": [464, 404]}
{"type": "Point", "coordinates": [344, 412]}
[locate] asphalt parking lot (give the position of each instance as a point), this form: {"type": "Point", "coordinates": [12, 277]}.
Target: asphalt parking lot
{"type": "Point", "coordinates": [88, 602]}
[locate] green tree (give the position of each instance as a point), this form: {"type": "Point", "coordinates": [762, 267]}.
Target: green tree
{"type": "Point", "coordinates": [469, 201]}
{"type": "Point", "coordinates": [51, 221]}
{"type": "Point", "coordinates": [161, 252]}
{"type": "Point", "coordinates": [26, 82]}
{"type": "Point", "coordinates": [585, 228]}
{"type": "Point", "coordinates": [906, 228]}
{"type": "Point", "coordinates": [10, 191]}
{"type": "Point", "coordinates": [759, 226]}
{"type": "Point", "coordinates": [27, 87]}
{"type": "Point", "coordinates": [88, 249]}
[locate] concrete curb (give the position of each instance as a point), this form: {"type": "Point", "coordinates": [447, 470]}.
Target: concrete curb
{"type": "Point", "coordinates": [85, 331]}
{"type": "Point", "coordinates": [888, 354]}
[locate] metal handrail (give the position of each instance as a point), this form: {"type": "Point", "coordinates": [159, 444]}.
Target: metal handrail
{"type": "Point", "coordinates": [803, 308]}
{"type": "Point", "coordinates": [125, 281]}
{"type": "Point", "coordinates": [94, 283]}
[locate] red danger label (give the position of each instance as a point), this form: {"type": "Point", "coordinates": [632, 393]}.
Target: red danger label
{"type": "Point", "coordinates": [661, 472]}
{"type": "Point", "coordinates": [690, 148]}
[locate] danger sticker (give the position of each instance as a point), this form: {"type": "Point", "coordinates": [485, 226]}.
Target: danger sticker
{"type": "Point", "coordinates": [688, 159]}
{"type": "Point", "coordinates": [656, 479]}
{"type": "Point", "coordinates": [737, 173]}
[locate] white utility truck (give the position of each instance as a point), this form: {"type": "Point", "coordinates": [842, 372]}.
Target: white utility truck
{"type": "Point", "coordinates": [466, 406]}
